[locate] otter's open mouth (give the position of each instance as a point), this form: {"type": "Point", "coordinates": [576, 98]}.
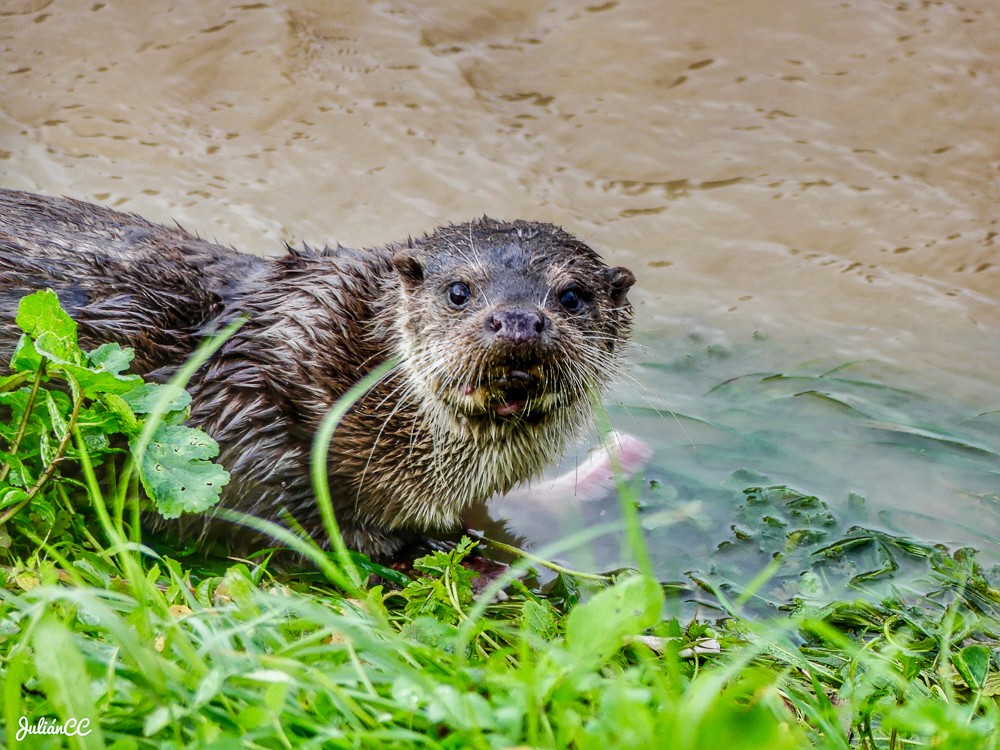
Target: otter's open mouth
{"type": "Point", "coordinates": [509, 393]}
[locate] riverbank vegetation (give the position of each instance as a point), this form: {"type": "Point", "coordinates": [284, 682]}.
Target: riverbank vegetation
{"type": "Point", "coordinates": [844, 638]}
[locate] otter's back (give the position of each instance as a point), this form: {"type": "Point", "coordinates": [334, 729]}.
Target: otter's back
{"type": "Point", "coordinates": [122, 278]}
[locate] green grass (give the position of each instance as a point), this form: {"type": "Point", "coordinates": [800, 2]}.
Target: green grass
{"type": "Point", "coordinates": [837, 638]}
{"type": "Point", "coordinates": [244, 656]}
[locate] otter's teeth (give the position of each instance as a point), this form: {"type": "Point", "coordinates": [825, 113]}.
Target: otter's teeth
{"type": "Point", "coordinates": [517, 376]}
{"type": "Point", "coordinates": [505, 396]}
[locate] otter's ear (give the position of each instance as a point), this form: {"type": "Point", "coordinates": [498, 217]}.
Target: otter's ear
{"type": "Point", "coordinates": [620, 280]}
{"type": "Point", "coordinates": [409, 268]}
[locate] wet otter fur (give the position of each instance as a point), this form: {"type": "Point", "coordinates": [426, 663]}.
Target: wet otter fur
{"type": "Point", "coordinates": [504, 332]}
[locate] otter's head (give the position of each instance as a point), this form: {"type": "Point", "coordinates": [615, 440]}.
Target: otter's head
{"type": "Point", "coordinates": [510, 324]}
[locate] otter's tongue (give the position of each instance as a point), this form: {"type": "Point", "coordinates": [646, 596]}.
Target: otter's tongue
{"type": "Point", "coordinates": [507, 408]}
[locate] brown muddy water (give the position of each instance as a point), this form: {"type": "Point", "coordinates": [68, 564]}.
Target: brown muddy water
{"type": "Point", "coordinates": [801, 188]}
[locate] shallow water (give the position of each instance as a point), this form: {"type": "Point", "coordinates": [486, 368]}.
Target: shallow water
{"type": "Point", "coordinates": [799, 187]}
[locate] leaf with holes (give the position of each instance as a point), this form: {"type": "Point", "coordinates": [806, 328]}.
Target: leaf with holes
{"type": "Point", "coordinates": [177, 471]}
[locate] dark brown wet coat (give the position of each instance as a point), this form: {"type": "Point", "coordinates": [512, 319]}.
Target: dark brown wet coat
{"type": "Point", "coordinates": [504, 332]}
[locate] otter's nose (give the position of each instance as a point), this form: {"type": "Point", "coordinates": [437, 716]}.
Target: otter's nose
{"type": "Point", "coordinates": [516, 326]}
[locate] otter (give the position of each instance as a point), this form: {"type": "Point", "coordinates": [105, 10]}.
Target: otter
{"type": "Point", "coordinates": [504, 332]}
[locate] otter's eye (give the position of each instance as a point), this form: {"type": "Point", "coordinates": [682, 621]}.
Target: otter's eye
{"type": "Point", "coordinates": [459, 295]}
{"type": "Point", "coordinates": [571, 300]}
